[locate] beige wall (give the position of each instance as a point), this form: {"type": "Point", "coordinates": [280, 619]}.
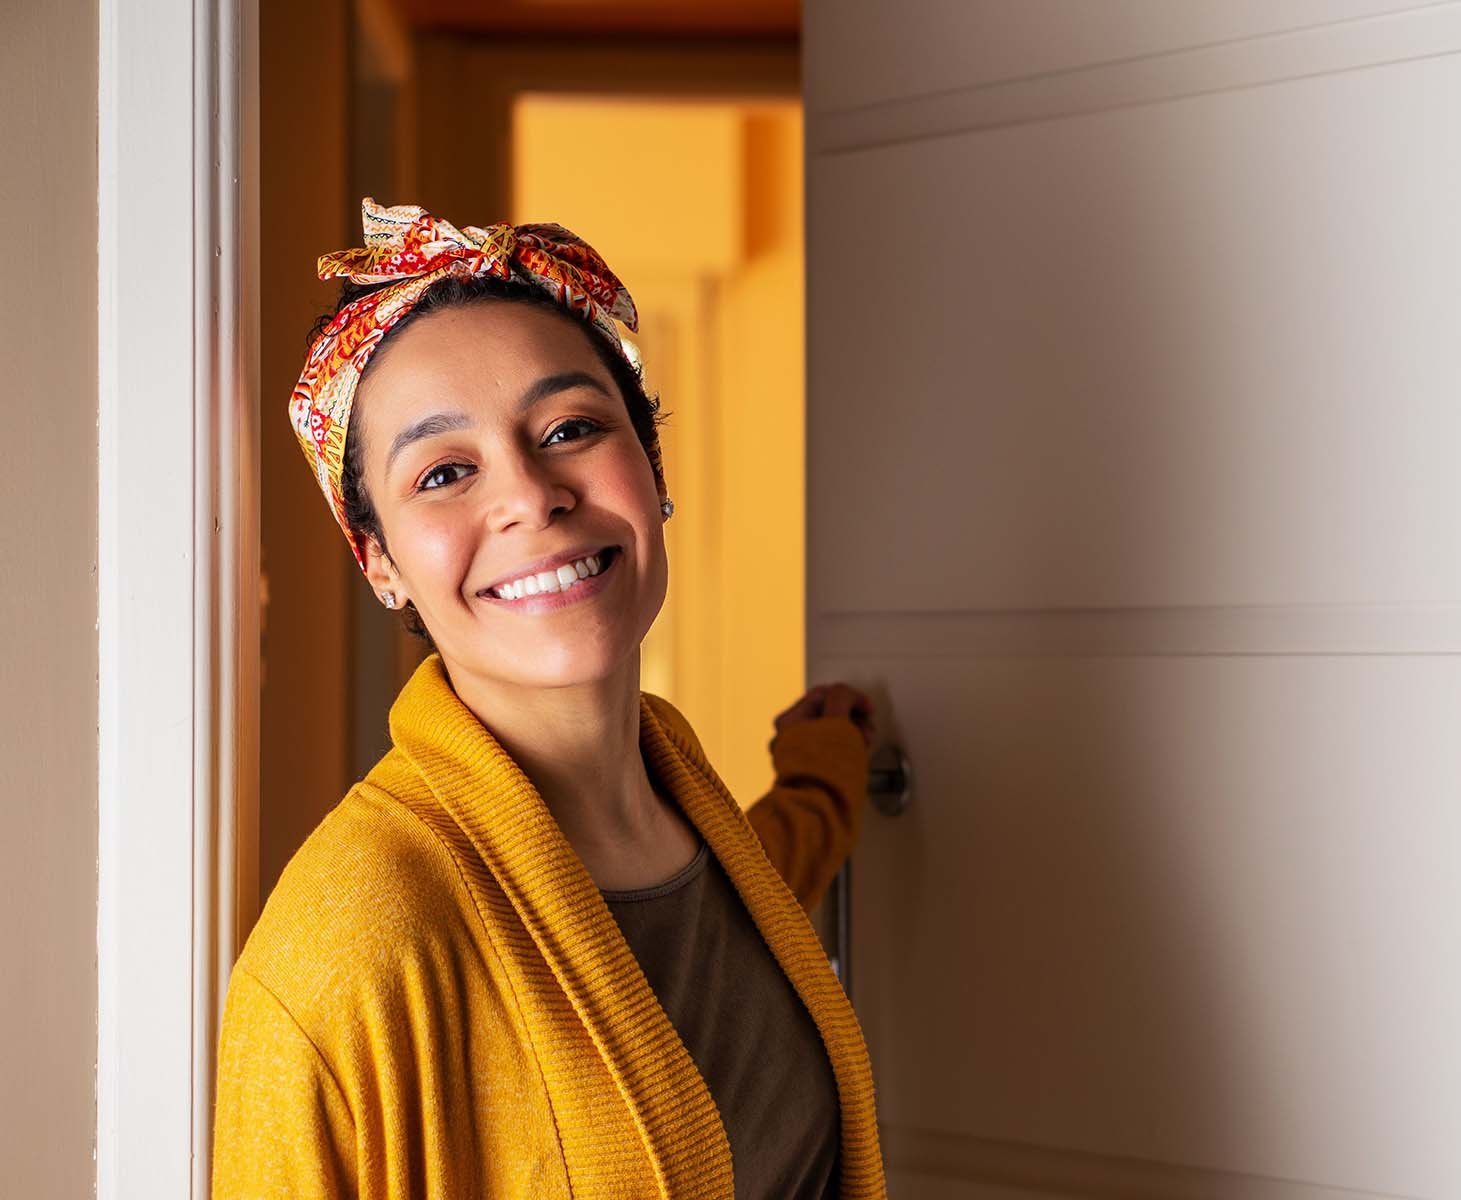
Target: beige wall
{"type": "Point", "coordinates": [48, 708]}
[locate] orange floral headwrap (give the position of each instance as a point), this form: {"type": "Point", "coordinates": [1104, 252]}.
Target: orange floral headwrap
{"type": "Point", "coordinates": [408, 249]}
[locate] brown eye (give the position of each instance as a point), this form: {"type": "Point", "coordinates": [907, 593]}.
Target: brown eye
{"type": "Point", "coordinates": [581, 423]}
{"type": "Point", "coordinates": [439, 477]}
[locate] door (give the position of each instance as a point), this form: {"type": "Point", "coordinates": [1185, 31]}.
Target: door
{"type": "Point", "coordinates": [1133, 432]}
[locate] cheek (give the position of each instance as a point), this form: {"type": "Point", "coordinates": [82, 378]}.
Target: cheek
{"type": "Point", "coordinates": [440, 549]}
{"type": "Point", "coordinates": [635, 492]}
{"type": "Point", "coordinates": [631, 477]}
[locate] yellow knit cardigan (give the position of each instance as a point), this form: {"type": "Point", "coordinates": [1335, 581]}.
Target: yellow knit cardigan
{"type": "Point", "coordinates": [437, 1001]}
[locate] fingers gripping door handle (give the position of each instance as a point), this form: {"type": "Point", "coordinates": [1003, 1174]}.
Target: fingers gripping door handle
{"type": "Point", "coordinates": [890, 789]}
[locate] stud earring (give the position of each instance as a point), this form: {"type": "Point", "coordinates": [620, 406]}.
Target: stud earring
{"type": "Point", "coordinates": [388, 599]}
{"type": "Point", "coordinates": [668, 507]}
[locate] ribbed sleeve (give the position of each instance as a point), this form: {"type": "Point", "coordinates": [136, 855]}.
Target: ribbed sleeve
{"type": "Point", "coordinates": [810, 819]}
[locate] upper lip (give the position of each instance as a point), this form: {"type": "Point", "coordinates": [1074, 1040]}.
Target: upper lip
{"type": "Point", "coordinates": [551, 563]}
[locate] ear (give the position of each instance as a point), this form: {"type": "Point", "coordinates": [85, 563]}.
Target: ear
{"type": "Point", "coordinates": [382, 574]}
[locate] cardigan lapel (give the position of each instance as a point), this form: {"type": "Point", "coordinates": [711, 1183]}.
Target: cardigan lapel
{"type": "Point", "coordinates": [557, 901]}
{"type": "Point", "coordinates": [687, 775]}
{"type": "Point", "coordinates": [508, 823]}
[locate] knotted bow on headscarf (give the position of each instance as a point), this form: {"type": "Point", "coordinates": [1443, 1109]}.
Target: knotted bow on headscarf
{"type": "Point", "coordinates": [408, 250]}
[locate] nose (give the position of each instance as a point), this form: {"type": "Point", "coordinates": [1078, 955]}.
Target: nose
{"type": "Point", "coordinates": [524, 490]}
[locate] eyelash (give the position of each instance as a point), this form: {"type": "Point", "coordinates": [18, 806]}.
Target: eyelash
{"type": "Point", "coordinates": [591, 426]}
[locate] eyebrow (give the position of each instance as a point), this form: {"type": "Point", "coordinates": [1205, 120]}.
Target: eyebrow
{"type": "Point", "coordinates": [564, 381]}
{"type": "Point", "coordinates": [429, 426]}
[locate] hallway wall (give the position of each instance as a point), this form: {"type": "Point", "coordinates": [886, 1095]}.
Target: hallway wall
{"type": "Point", "coordinates": [48, 612]}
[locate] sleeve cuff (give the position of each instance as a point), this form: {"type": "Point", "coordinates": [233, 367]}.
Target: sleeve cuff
{"type": "Point", "coordinates": [829, 749]}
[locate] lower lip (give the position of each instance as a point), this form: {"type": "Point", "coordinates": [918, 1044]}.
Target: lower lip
{"type": "Point", "coordinates": [584, 589]}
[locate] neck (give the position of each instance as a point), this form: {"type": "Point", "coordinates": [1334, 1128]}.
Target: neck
{"type": "Point", "coordinates": [579, 746]}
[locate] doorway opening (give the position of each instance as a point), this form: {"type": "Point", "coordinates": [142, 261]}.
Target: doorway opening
{"type": "Point", "coordinates": [678, 157]}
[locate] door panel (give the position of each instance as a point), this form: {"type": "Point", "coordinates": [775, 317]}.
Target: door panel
{"type": "Point", "coordinates": [1182, 909]}
{"type": "Point", "coordinates": [1132, 489]}
{"type": "Point", "coordinates": [912, 50]}
{"type": "Point", "coordinates": [1123, 355]}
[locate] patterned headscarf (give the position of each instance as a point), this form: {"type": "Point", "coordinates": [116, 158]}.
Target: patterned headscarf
{"type": "Point", "coordinates": [408, 249]}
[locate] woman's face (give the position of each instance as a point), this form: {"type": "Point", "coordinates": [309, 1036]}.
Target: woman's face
{"type": "Point", "coordinates": [497, 447]}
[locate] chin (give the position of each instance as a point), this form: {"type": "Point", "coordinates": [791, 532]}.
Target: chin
{"type": "Point", "coordinates": [556, 666]}
{"type": "Point", "coordinates": [568, 674]}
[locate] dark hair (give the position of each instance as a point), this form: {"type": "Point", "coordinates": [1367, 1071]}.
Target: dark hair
{"type": "Point", "coordinates": [456, 292]}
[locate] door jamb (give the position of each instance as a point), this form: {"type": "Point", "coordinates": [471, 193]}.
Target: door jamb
{"type": "Point", "coordinates": [177, 571]}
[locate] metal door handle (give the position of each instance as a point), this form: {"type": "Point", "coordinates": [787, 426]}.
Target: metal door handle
{"type": "Point", "coordinates": [890, 788]}
{"type": "Point", "coordinates": [890, 780]}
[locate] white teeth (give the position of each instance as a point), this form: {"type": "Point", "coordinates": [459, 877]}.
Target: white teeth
{"type": "Point", "coordinates": [558, 580]}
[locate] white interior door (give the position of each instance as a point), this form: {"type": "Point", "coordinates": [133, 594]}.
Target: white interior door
{"type": "Point", "coordinates": [1133, 432]}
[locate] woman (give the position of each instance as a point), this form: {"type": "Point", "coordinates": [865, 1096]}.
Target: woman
{"type": "Point", "coordinates": [539, 951]}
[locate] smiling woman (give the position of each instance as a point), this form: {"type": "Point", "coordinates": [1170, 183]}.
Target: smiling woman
{"type": "Point", "coordinates": [536, 465]}
{"type": "Point", "coordinates": [458, 296]}
{"type": "Point", "coordinates": [539, 949]}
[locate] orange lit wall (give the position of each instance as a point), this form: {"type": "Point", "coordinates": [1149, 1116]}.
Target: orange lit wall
{"type": "Point", "coordinates": [698, 207]}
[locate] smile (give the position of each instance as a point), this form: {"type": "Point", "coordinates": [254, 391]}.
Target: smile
{"type": "Point", "coordinates": [565, 584]}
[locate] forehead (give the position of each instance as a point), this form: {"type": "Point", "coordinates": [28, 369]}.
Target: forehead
{"type": "Point", "coordinates": [480, 356]}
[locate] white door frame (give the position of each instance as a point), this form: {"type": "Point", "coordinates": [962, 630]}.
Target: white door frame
{"type": "Point", "coordinates": [177, 571]}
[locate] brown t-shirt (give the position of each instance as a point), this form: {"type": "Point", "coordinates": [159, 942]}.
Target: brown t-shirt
{"type": "Point", "coordinates": [745, 1028]}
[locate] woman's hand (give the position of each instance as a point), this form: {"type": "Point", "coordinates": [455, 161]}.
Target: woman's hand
{"type": "Point", "coordinates": [831, 700]}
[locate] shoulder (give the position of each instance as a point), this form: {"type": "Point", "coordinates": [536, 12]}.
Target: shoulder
{"type": "Point", "coordinates": [372, 891]}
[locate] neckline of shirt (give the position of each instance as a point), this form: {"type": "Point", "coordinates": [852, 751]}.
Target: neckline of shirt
{"type": "Point", "coordinates": [674, 883]}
